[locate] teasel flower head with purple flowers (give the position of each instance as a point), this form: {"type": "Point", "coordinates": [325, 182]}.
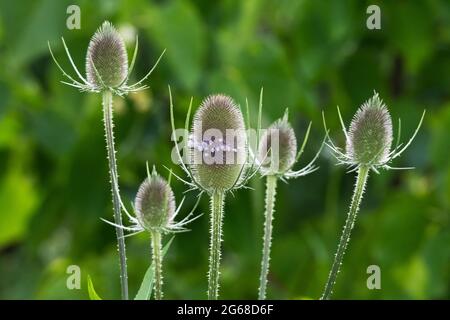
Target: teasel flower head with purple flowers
{"type": "Point", "coordinates": [218, 162]}
{"type": "Point", "coordinates": [218, 155]}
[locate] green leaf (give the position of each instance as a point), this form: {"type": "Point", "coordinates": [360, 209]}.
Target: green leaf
{"type": "Point", "coordinates": [91, 290]}
{"type": "Point", "coordinates": [145, 291]}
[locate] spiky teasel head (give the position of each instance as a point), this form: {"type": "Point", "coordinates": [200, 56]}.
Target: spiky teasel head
{"type": "Point", "coordinates": [106, 64]}
{"type": "Point", "coordinates": [277, 151]}
{"type": "Point", "coordinates": [370, 133]}
{"type": "Point", "coordinates": [155, 209]}
{"type": "Point", "coordinates": [218, 143]}
{"type": "Point", "coordinates": [216, 157]}
{"type": "Point", "coordinates": [106, 58]}
{"type": "Point", "coordinates": [278, 147]}
{"type": "Point", "coordinates": [370, 136]}
{"type": "Point", "coordinates": [155, 203]}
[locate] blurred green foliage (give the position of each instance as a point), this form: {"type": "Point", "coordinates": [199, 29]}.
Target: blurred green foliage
{"type": "Point", "coordinates": [309, 56]}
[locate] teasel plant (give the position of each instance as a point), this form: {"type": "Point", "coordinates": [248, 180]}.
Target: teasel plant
{"type": "Point", "coordinates": [277, 154]}
{"type": "Point", "coordinates": [216, 163]}
{"type": "Point", "coordinates": [107, 73]}
{"type": "Point", "coordinates": [368, 148]}
{"type": "Point", "coordinates": [155, 212]}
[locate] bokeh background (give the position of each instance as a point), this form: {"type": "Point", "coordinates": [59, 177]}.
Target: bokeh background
{"type": "Point", "coordinates": [309, 56]}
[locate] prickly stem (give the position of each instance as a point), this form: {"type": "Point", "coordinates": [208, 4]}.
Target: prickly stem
{"type": "Point", "coordinates": [217, 203]}
{"type": "Point", "coordinates": [157, 264]}
{"type": "Point", "coordinates": [109, 134]}
{"type": "Point", "coordinates": [361, 179]}
{"type": "Point", "coordinates": [271, 184]}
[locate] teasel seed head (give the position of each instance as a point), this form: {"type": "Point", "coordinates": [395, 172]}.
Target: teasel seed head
{"type": "Point", "coordinates": [278, 147]}
{"type": "Point", "coordinates": [155, 203]}
{"type": "Point", "coordinates": [106, 58]}
{"type": "Point", "coordinates": [218, 143]}
{"type": "Point", "coordinates": [370, 134]}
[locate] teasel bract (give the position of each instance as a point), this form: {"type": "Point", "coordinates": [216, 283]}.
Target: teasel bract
{"type": "Point", "coordinates": [107, 73]}
{"type": "Point", "coordinates": [155, 211]}
{"type": "Point", "coordinates": [218, 162]}
{"type": "Point", "coordinates": [368, 147]}
{"type": "Point", "coordinates": [277, 154]}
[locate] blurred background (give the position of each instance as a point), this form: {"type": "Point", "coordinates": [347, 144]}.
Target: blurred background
{"type": "Point", "coordinates": [309, 56]}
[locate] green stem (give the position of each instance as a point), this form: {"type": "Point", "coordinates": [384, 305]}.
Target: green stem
{"type": "Point", "coordinates": [361, 179]}
{"type": "Point", "coordinates": [157, 263]}
{"type": "Point", "coordinates": [271, 185]}
{"type": "Point", "coordinates": [109, 125]}
{"type": "Point", "coordinates": [217, 201]}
